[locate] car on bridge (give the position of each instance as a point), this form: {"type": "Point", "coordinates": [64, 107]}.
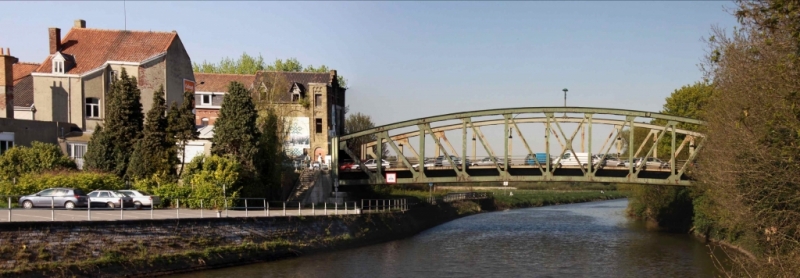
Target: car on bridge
{"type": "Point", "coordinates": [373, 164]}
{"type": "Point", "coordinates": [486, 161]}
{"type": "Point", "coordinates": [441, 161]}
{"type": "Point", "coordinates": [653, 162]}
{"type": "Point", "coordinates": [68, 198]}
{"type": "Point", "coordinates": [430, 162]}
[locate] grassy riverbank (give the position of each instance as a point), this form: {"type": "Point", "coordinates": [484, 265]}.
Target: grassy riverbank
{"type": "Point", "coordinates": [508, 199]}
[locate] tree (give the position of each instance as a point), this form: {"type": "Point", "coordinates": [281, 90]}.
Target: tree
{"type": "Point", "coordinates": [155, 153]}
{"type": "Point", "coordinates": [235, 131]}
{"type": "Point", "coordinates": [123, 126]}
{"type": "Point", "coordinates": [689, 101]}
{"type": "Point", "coordinates": [750, 158]}
{"type": "Point", "coordinates": [181, 126]}
{"type": "Point", "coordinates": [358, 122]}
{"type": "Point", "coordinates": [37, 158]}
{"type": "Point", "coordinates": [99, 153]}
{"type": "Point", "coordinates": [247, 64]}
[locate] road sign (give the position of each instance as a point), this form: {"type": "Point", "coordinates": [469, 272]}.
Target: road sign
{"type": "Point", "coordinates": [391, 177]}
{"type": "Point", "coordinates": [505, 183]}
{"type": "Point", "coordinates": [430, 184]}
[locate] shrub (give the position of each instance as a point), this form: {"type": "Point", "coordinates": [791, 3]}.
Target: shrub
{"type": "Point", "coordinates": [86, 181]}
{"type": "Point", "coordinates": [38, 157]}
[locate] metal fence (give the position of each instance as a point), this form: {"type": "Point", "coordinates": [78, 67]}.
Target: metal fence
{"type": "Point", "coordinates": [56, 209]}
{"type": "Point", "coordinates": [450, 197]}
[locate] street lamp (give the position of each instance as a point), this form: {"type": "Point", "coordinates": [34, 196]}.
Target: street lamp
{"type": "Point", "coordinates": [565, 101]}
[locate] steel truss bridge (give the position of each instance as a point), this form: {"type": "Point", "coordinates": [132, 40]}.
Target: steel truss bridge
{"type": "Point", "coordinates": [411, 136]}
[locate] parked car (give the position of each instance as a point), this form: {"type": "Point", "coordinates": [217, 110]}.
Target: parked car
{"type": "Point", "coordinates": [68, 198]}
{"type": "Point", "coordinates": [487, 161]}
{"type": "Point", "coordinates": [142, 199]}
{"type": "Point", "coordinates": [346, 165]}
{"type": "Point", "coordinates": [110, 197]}
{"type": "Point", "coordinates": [372, 164]}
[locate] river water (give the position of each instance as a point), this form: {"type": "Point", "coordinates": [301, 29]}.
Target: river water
{"type": "Point", "coordinates": [577, 240]}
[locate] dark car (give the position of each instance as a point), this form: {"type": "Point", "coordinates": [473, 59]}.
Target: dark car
{"type": "Point", "coordinates": [68, 198]}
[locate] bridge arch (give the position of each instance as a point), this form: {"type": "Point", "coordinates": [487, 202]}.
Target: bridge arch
{"type": "Point", "coordinates": [674, 171]}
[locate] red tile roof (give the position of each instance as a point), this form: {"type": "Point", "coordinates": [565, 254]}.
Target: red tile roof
{"type": "Point", "coordinates": [21, 70]}
{"type": "Point", "coordinates": [218, 82]}
{"type": "Point", "coordinates": [91, 48]}
{"type": "Point", "coordinates": [23, 83]}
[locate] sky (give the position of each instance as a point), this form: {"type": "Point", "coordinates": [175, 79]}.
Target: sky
{"type": "Point", "coordinates": [407, 60]}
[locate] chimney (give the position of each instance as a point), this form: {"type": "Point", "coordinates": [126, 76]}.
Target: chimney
{"type": "Point", "coordinates": [79, 23]}
{"type": "Point", "coordinates": [333, 76]}
{"type": "Point", "coordinates": [7, 83]}
{"type": "Point", "coordinates": [55, 40]}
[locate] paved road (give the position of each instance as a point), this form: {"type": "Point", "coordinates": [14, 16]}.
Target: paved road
{"type": "Point", "coordinates": [41, 215]}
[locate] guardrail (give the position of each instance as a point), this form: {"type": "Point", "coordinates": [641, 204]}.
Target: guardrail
{"type": "Point", "coordinates": [56, 209]}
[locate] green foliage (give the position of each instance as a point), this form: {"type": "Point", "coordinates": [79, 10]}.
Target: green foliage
{"type": "Point", "coordinates": [123, 126]}
{"type": "Point", "coordinates": [181, 126]}
{"type": "Point", "coordinates": [86, 181]}
{"type": "Point", "coordinates": [270, 158]}
{"type": "Point", "coordinates": [217, 179]}
{"type": "Point", "coordinates": [235, 131]}
{"type": "Point", "coordinates": [155, 153]}
{"type": "Point", "coordinates": [247, 64]}
{"type": "Point", "coordinates": [39, 157]}
{"type": "Point", "coordinates": [358, 122]}
{"type": "Point", "coordinates": [99, 153]}
{"type": "Point", "coordinates": [668, 206]}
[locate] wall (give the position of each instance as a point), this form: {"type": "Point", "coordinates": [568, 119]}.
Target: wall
{"type": "Point", "coordinates": [178, 68]}
{"type": "Point", "coordinates": [27, 131]}
{"type": "Point", "coordinates": [51, 97]}
{"type": "Point", "coordinates": [151, 247]}
{"type": "Point", "coordinates": [94, 86]}
{"type": "Point", "coordinates": [319, 139]}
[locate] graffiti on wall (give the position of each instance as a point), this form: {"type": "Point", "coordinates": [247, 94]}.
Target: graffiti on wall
{"type": "Point", "coordinates": [299, 137]}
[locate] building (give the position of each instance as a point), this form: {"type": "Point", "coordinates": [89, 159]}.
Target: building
{"type": "Point", "coordinates": [15, 82]}
{"type": "Point", "coordinates": [209, 92]}
{"type": "Point", "coordinates": [313, 103]}
{"type": "Point", "coordinates": [72, 83]}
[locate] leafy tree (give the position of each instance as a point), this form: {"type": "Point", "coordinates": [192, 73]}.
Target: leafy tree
{"type": "Point", "coordinates": [358, 122]}
{"type": "Point", "coordinates": [123, 126]}
{"type": "Point", "coordinates": [99, 153]}
{"type": "Point", "coordinates": [753, 147]}
{"type": "Point", "coordinates": [235, 132]}
{"type": "Point", "coordinates": [181, 126]}
{"type": "Point", "coordinates": [37, 158]}
{"type": "Point", "coordinates": [247, 64]}
{"type": "Point", "coordinates": [155, 153]}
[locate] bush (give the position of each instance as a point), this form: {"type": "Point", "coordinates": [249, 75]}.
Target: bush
{"type": "Point", "coordinates": [86, 181]}
{"type": "Point", "coordinates": [21, 160]}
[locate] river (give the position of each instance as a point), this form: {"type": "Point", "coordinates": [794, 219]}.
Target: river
{"type": "Point", "coordinates": [577, 240]}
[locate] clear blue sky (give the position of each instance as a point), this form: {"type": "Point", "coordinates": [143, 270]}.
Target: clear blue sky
{"type": "Point", "coordinates": [406, 60]}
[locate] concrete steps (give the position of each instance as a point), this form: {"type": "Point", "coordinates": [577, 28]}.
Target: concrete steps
{"type": "Point", "coordinates": [307, 180]}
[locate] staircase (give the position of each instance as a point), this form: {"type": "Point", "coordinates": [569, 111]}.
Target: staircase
{"type": "Point", "coordinates": [306, 181]}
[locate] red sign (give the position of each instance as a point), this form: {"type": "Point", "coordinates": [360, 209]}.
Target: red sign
{"type": "Point", "coordinates": [391, 177]}
{"type": "Point", "coordinates": [188, 86]}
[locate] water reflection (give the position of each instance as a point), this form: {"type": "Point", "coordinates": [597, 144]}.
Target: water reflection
{"type": "Point", "coordinates": [583, 240]}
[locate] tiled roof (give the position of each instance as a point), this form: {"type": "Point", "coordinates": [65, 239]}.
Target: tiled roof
{"type": "Point", "coordinates": [23, 92]}
{"type": "Point", "coordinates": [91, 48]}
{"type": "Point", "coordinates": [217, 82]}
{"type": "Point", "coordinates": [23, 83]}
{"type": "Point", "coordinates": [21, 70]}
{"type": "Point", "coordinates": [302, 79]}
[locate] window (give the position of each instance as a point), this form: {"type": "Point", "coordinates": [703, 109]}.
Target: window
{"type": "Point", "coordinates": [5, 145]}
{"type": "Point", "coordinates": [319, 125]}
{"type": "Point", "coordinates": [112, 76]}
{"type": "Point", "coordinates": [205, 99]}
{"type": "Point", "coordinates": [76, 150]}
{"type": "Point", "coordinates": [92, 107]}
{"type": "Point", "coordinates": [204, 121]}
{"type": "Point", "coordinates": [318, 100]}
{"type": "Point", "coordinates": [58, 66]}
{"type": "Point", "coordinates": [295, 97]}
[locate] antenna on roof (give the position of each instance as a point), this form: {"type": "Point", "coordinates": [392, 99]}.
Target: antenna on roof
{"type": "Point", "coordinates": [125, 14]}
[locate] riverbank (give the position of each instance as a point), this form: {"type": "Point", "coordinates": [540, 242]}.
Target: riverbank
{"type": "Point", "coordinates": [158, 247]}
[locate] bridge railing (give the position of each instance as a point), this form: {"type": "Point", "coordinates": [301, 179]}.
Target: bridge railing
{"type": "Point", "coordinates": [383, 205]}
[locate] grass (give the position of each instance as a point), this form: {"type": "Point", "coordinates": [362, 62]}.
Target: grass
{"type": "Point", "coordinates": [538, 198]}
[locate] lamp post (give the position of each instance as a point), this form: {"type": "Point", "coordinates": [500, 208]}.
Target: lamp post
{"type": "Point", "coordinates": [565, 101]}
{"type": "Point", "coordinates": [510, 146]}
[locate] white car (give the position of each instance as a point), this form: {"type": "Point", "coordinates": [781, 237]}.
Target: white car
{"type": "Point", "coordinates": [428, 163]}
{"type": "Point", "coordinates": [142, 199]}
{"type": "Point", "coordinates": [372, 164]}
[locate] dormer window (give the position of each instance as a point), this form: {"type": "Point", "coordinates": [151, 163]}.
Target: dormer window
{"type": "Point", "coordinates": [295, 93]}
{"type": "Point", "coordinates": [58, 63]}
